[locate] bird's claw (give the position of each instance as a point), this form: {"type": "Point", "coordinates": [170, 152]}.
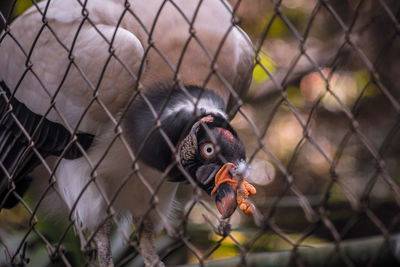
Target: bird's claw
{"type": "Point", "coordinates": [245, 190]}
{"type": "Point", "coordinates": [242, 189]}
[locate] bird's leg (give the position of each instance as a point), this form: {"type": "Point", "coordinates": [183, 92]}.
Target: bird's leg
{"type": "Point", "coordinates": [146, 244]}
{"type": "Point", "coordinates": [102, 240]}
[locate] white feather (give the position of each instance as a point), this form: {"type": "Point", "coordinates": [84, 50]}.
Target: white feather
{"type": "Point", "coordinates": [242, 168]}
{"type": "Point", "coordinates": [188, 106]}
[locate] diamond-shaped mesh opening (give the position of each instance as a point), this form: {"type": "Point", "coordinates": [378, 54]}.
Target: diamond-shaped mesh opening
{"type": "Point", "coordinates": [104, 103]}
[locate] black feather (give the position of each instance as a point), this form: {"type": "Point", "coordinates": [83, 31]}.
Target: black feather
{"type": "Point", "coordinates": [17, 158]}
{"type": "Point", "coordinates": [156, 152]}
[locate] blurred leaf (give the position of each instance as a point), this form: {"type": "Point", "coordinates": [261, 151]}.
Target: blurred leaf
{"type": "Point", "coordinates": [13, 218]}
{"type": "Point", "coordinates": [295, 97]}
{"type": "Point", "coordinates": [21, 6]}
{"type": "Point", "coordinates": [238, 236]}
{"type": "Point", "coordinates": [273, 242]}
{"type": "Point", "coordinates": [371, 91]}
{"type": "Point", "coordinates": [259, 73]}
{"type": "Point", "coordinates": [225, 252]}
{"type": "Point", "coordinates": [363, 79]}
{"type": "Point", "coordinates": [278, 29]}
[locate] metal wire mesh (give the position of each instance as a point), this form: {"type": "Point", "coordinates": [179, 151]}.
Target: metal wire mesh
{"type": "Point", "coordinates": [320, 125]}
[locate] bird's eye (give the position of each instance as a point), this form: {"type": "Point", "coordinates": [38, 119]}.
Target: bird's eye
{"type": "Point", "coordinates": [208, 150]}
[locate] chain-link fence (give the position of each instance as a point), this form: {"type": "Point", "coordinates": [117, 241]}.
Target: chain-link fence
{"type": "Point", "coordinates": [320, 125]}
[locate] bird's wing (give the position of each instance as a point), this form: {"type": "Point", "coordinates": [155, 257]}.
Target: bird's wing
{"type": "Point", "coordinates": [67, 75]}
{"type": "Point", "coordinates": [20, 131]}
{"type": "Point", "coordinates": [67, 62]}
{"type": "Point", "coordinates": [244, 71]}
{"type": "Point", "coordinates": [202, 45]}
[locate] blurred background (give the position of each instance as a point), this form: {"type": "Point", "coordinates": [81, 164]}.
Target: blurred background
{"type": "Point", "coordinates": [320, 125]}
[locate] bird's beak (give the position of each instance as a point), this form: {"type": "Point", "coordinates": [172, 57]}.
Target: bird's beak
{"type": "Point", "coordinates": [225, 199]}
{"type": "Point", "coordinates": [225, 192]}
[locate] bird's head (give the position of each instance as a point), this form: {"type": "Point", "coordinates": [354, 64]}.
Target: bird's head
{"type": "Point", "coordinates": [207, 147]}
{"type": "Point", "coordinates": [211, 153]}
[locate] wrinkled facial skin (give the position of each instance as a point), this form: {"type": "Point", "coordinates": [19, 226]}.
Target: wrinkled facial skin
{"type": "Point", "coordinates": [210, 157]}
{"type": "Point", "coordinates": [205, 157]}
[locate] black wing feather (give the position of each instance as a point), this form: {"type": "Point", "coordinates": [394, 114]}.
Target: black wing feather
{"type": "Point", "coordinates": [17, 157]}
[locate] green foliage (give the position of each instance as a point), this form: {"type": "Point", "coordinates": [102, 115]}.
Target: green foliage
{"type": "Point", "coordinates": [294, 96]}
{"type": "Point", "coordinates": [264, 63]}
{"type": "Point", "coordinates": [21, 6]}
{"type": "Point", "coordinates": [278, 29]}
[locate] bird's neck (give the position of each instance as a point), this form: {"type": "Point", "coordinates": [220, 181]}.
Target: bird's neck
{"type": "Point", "coordinates": [177, 111]}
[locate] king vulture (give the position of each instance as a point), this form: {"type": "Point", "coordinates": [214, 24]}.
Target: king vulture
{"type": "Point", "coordinates": [108, 104]}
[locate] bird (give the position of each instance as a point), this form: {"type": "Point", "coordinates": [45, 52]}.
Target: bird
{"type": "Point", "coordinates": [108, 105]}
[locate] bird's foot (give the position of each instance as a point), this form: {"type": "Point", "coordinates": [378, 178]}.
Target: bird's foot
{"type": "Point", "coordinates": [243, 192]}
{"type": "Point", "coordinates": [102, 240]}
